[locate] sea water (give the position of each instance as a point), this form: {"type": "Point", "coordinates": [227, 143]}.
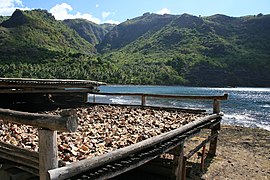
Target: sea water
{"type": "Point", "coordinates": [248, 107]}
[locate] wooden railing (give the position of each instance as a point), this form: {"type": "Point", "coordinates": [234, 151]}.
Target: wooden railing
{"type": "Point", "coordinates": [143, 96]}
{"type": "Point", "coordinates": [47, 157]}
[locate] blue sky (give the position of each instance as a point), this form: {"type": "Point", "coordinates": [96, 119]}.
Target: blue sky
{"type": "Point", "coordinates": [116, 11]}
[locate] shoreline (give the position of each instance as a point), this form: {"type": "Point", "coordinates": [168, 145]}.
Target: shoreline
{"type": "Point", "coordinates": [242, 153]}
{"type": "Point", "coordinates": [155, 85]}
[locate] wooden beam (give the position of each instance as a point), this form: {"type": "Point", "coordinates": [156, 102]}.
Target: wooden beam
{"type": "Point", "coordinates": [224, 97]}
{"type": "Point", "coordinates": [86, 164]}
{"type": "Point", "coordinates": [18, 159]}
{"type": "Point", "coordinates": [67, 122]}
{"type": "Point", "coordinates": [18, 152]}
{"type": "Point", "coordinates": [47, 152]}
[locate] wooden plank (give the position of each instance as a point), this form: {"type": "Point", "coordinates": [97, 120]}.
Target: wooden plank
{"type": "Point", "coordinates": [19, 160]}
{"type": "Point", "coordinates": [18, 152]}
{"type": "Point", "coordinates": [86, 164]}
{"type": "Point", "coordinates": [48, 158]}
{"type": "Point", "coordinates": [26, 168]}
{"type": "Point", "coordinates": [67, 122]}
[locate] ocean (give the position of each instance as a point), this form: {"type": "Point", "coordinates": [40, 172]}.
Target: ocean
{"type": "Point", "coordinates": [248, 107]}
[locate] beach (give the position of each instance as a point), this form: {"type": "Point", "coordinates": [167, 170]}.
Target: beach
{"type": "Point", "coordinates": [242, 153]}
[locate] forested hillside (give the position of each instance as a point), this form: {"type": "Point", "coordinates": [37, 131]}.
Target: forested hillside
{"type": "Point", "coordinates": [202, 51]}
{"type": "Point", "coordinates": [91, 32]}
{"type": "Point", "coordinates": [151, 49]}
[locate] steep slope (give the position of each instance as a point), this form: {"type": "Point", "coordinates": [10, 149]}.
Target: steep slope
{"type": "Point", "coordinates": [30, 34]}
{"type": "Point", "coordinates": [205, 51]}
{"type": "Point", "coordinates": [93, 33]}
{"type": "Point", "coordinates": [3, 18]}
{"type": "Point", "coordinates": [151, 49]}
{"type": "Point", "coordinates": [130, 30]}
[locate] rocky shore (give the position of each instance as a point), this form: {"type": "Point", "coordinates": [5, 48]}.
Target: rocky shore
{"type": "Point", "coordinates": [101, 129]}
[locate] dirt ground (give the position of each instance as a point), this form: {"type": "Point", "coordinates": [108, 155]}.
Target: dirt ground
{"type": "Point", "coordinates": [242, 153]}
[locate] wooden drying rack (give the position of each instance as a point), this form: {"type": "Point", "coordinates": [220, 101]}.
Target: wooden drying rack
{"type": "Point", "coordinates": [48, 125]}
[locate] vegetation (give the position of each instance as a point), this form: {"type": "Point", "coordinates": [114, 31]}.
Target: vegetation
{"type": "Point", "coordinates": [152, 49]}
{"type": "Point", "coordinates": [91, 32]}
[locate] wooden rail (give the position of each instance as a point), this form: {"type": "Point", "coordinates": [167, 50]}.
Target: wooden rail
{"type": "Point", "coordinates": [64, 123]}
{"type": "Point", "coordinates": [167, 96]}
{"type": "Point", "coordinates": [48, 125]}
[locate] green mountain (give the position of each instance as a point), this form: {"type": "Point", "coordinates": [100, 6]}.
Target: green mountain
{"type": "Point", "coordinates": [132, 29]}
{"type": "Point", "coordinates": [35, 35]}
{"type": "Point", "coordinates": [90, 31]}
{"type": "Point", "coordinates": [3, 18]}
{"type": "Point", "coordinates": [151, 49]}
{"type": "Point", "coordinates": [202, 51]}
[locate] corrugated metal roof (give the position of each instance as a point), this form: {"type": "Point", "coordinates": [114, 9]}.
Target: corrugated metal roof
{"type": "Point", "coordinates": [28, 82]}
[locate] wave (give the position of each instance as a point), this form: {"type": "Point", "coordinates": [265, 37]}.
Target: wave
{"type": "Point", "coordinates": [266, 106]}
{"type": "Point", "coordinates": [245, 120]}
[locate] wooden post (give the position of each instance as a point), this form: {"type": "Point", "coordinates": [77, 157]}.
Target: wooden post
{"type": "Point", "coordinates": [178, 159]}
{"type": "Point", "coordinates": [216, 106]}
{"type": "Point", "coordinates": [203, 158]}
{"type": "Point", "coordinates": [184, 170]}
{"type": "Point", "coordinates": [94, 98]}
{"type": "Point", "coordinates": [47, 152]}
{"type": "Point", "coordinates": [85, 100]}
{"type": "Point", "coordinates": [214, 130]}
{"type": "Point", "coordinates": [143, 100]}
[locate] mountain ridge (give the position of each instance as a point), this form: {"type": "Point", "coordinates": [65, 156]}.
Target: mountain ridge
{"type": "Point", "coordinates": [216, 50]}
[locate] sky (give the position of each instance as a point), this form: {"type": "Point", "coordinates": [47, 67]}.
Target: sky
{"type": "Point", "coordinates": [117, 11]}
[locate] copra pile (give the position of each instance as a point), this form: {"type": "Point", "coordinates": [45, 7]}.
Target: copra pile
{"type": "Point", "coordinates": [101, 129]}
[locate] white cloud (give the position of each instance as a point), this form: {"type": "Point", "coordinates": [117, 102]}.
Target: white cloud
{"type": "Point", "coordinates": [61, 12]}
{"type": "Point", "coordinates": [7, 7]}
{"type": "Point", "coordinates": [106, 14]}
{"type": "Point", "coordinates": [97, 5]}
{"type": "Point", "coordinates": [111, 22]}
{"type": "Point", "coordinates": [10, 3]}
{"type": "Point", "coordinates": [164, 11]}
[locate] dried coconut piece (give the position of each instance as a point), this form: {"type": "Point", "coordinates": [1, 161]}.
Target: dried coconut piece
{"type": "Point", "coordinates": [84, 149]}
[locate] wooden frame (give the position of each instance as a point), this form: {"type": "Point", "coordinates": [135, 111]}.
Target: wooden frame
{"type": "Point", "coordinates": [66, 122]}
